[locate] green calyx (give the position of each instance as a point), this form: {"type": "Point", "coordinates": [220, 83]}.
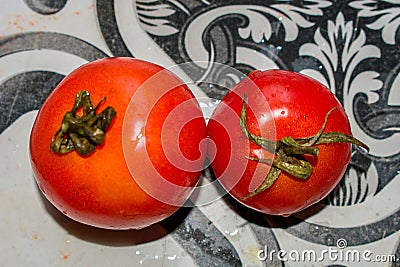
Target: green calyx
{"type": "Point", "coordinates": [82, 133]}
{"type": "Point", "coordinates": [288, 152]}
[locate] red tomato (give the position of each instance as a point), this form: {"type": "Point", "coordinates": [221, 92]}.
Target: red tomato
{"type": "Point", "coordinates": [103, 188]}
{"type": "Point", "coordinates": [279, 104]}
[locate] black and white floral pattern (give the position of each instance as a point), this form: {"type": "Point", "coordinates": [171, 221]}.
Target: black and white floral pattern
{"type": "Point", "coordinates": [352, 46]}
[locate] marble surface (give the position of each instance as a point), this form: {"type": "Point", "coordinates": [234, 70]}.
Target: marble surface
{"type": "Point", "coordinates": [351, 46]}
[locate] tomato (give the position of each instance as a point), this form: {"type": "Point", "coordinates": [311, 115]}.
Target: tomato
{"type": "Point", "coordinates": [105, 186]}
{"type": "Point", "coordinates": [277, 104]}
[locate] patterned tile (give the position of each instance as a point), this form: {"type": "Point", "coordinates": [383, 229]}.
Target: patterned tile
{"type": "Point", "coordinates": [350, 46]}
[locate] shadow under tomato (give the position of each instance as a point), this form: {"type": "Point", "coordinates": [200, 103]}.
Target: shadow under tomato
{"type": "Point", "coordinates": [114, 237]}
{"type": "Point", "coordinates": [270, 221]}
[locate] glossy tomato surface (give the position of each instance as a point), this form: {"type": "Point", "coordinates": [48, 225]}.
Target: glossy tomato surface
{"type": "Point", "coordinates": [280, 103]}
{"type": "Point", "coordinates": [101, 189]}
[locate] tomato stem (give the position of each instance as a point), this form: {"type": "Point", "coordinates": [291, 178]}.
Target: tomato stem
{"type": "Point", "coordinates": [288, 151]}
{"type": "Point", "coordinates": [83, 133]}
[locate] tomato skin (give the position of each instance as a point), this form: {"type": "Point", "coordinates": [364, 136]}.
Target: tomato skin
{"type": "Point", "coordinates": [297, 108]}
{"type": "Point", "coordinates": [99, 189]}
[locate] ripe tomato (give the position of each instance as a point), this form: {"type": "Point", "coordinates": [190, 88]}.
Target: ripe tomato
{"type": "Point", "coordinates": [100, 186]}
{"type": "Point", "coordinates": [279, 104]}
